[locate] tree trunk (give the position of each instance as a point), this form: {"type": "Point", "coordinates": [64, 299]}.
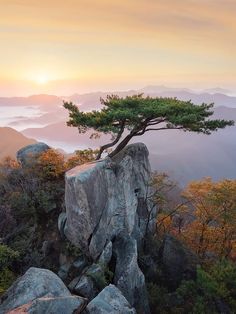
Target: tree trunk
{"type": "Point", "coordinates": [121, 145]}
{"type": "Point", "coordinates": [102, 148]}
{"type": "Point", "coordinates": [106, 146]}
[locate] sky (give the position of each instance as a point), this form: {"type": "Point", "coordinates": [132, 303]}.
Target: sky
{"type": "Point", "coordinates": [75, 46]}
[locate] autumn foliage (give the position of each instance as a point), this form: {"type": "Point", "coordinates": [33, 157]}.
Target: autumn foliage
{"type": "Point", "coordinates": [213, 231]}
{"type": "Point", "coordinates": [205, 220]}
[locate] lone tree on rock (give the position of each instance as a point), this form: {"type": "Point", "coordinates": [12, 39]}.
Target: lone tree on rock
{"type": "Point", "coordinates": [125, 118]}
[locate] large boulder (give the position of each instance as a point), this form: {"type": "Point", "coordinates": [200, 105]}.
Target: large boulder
{"type": "Point", "coordinates": [35, 283]}
{"type": "Point", "coordinates": [110, 300]}
{"type": "Point", "coordinates": [178, 262]}
{"type": "Point", "coordinates": [27, 154]}
{"type": "Point", "coordinates": [50, 305]}
{"type": "Point", "coordinates": [106, 199]}
{"type": "Point", "coordinates": [128, 276]}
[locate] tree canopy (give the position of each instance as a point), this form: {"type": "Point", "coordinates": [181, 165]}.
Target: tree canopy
{"type": "Point", "coordinates": [214, 228]}
{"type": "Point", "coordinates": [125, 118]}
{"type": "Point", "coordinates": [206, 219]}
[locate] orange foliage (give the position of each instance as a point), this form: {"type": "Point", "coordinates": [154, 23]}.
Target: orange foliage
{"type": "Point", "coordinates": [213, 231]}
{"type": "Point", "coordinates": [52, 163]}
{"type": "Point", "coordinates": [81, 157]}
{"type": "Point", "coordinates": [10, 163]}
{"type": "Point", "coordinates": [206, 221]}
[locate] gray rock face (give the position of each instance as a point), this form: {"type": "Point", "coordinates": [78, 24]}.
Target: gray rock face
{"type": "Point", "coordinates": [49, 305]}
{"type": "Point", "coordinates": [128, 276]}
{"type": "Point", "coordinates": [79, 264]}
{"type": "Point", "coordinates": [106, 255]}
{"type": "Point", "coordinates": [103, 199]}
{"type": "Point", "coordinates": [107, 213]}
{"type": "Point", "coordinates": [61, 223]}
{"type": "Point", "coordinates": [86, 288]}
{"type": "Point", "coordinates": [35, 283]}
{"type": "Point", "coordinates": [87, 284]}
{"type": "Point", "coordinates": [64, 270]}
{"type": "Point", "coordinates": [27, 154]}
{"type": "Point", "coordinates": [109, 300]}
{"type": "Point", "coordinates": [179, 262]}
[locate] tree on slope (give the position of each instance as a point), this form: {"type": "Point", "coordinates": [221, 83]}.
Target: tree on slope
{"type": "Point", "coordinates": [125, 118]}
{"type": "Point", "coordinates": [214, 228]}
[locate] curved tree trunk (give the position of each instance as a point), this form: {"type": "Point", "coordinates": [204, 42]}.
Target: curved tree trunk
{"type": "Point", "coordinates": [106, 146]}
{"type": "Point", "coordinates": [121, 145]}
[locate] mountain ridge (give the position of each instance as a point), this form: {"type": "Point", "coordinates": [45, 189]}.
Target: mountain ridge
{"type": "Point", "coordinates": [12, 141]}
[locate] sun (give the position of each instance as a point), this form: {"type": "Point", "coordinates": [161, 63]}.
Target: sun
{"type": "Point", "coordinates": [42, 79]}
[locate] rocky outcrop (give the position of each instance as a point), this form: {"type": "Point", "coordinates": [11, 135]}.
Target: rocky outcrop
{"type": "Point", "coordinates": [34, 285]}
{"type": "Point", "coordinates": [179, 263]}
{"type": "Point", "coordinates": [128, 276]}
{"type": "Point", "coordinates": [107, 215]}
{"type": "Point", "coordinates": [106, 218]}
{"type": "Point", "coordinates": [105, 199]}
{"type": "Point", "coordinates": [28, 154]}
{"type": "Point", "coordinates": [110, 300]}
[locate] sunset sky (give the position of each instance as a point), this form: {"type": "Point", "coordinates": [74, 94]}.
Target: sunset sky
{"type": "Point", "coordinates": [63, 47]}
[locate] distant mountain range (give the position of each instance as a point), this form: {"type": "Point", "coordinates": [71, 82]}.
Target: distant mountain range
{"type": "Point", "coordinates": [11, 142]}
{"type": "Point", "coordinates": [91, 100]}
{"type": "Point", "coordinates": [186, 156]}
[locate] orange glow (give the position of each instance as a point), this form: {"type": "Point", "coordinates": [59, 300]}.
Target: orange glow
{"type": "Point", "coordinates": [99, 43]}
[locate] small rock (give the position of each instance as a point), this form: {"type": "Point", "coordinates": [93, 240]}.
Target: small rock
{"type": "Point", "coordinates": [86, 287]}
{"type": "Point", "coordinates": [90, 283]}
{"type": "Point", "coordinates": [64, 270]}
{"type": "Point", "coordinates": [110, 301]}
{"type": "Point", "coordinates": [94, 270]}
{"type": "Point", "coordinates": [73, 283]}
{"type": "Point", "coordinates": [80, 263]}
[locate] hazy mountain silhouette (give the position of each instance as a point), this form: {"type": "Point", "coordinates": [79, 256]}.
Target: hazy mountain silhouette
{"type": "Point", "coordinates": [217, 90]}
{"type": "Point", "coordinates": [40, 101]}
{"type": "Point", "coordinates": [91, 100]}
{"type": "Point", "coordinates": [187, 156]}
{"type": "Point", "coordinates": [12, 141]}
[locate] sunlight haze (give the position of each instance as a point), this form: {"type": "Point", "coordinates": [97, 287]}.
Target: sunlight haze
{"type": "Point", "coordinates": [105, 45]}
